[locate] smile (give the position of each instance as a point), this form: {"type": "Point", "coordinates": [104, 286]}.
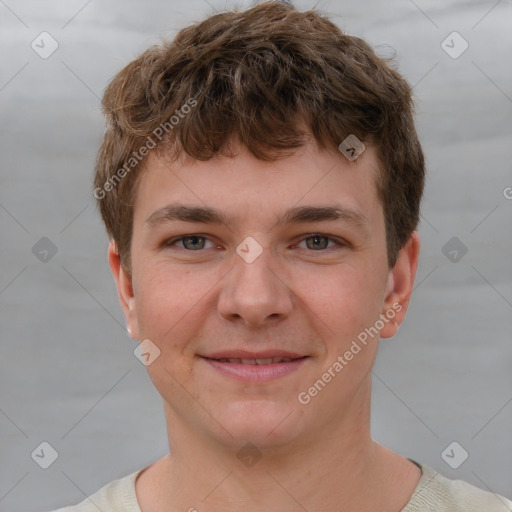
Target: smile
{"type": "Point", "coordinates": [269, 360]}
{"type": "Point", "coordinates": [255, 370]}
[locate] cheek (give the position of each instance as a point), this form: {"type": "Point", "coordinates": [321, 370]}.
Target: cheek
{"type": "Point", "coordinates": [160, 302]}
{"type": "Point", "coordinates": [168, 301]}
{"type": "Point", "coordinates": [346, 299]}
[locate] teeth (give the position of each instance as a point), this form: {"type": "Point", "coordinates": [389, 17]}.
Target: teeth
{"type": "Point", "coordinates": [281, 359]}
{"type": "Point", "coordinates": [269, 360]}
{"type": "Point", "coordinates": [264, 361]}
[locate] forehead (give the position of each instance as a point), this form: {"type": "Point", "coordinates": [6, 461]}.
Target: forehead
{"type": "Point", "coordinates": [243, 186]}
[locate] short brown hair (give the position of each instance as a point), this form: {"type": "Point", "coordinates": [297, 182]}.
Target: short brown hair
{"type": "Point", "coordinates": [271, 77]}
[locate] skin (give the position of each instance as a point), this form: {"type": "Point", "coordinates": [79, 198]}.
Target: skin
{"type": "Point", "coordinates": [303, 295]}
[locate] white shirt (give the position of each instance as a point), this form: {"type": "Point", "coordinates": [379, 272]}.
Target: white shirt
{"type": "Point", "coordinates": [434, 493]}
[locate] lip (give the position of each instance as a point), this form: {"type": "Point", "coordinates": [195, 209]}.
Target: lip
{"type": "Point", "coordinates": [246, 354]}
{"type": "Point", "coordinates": [255, 373]}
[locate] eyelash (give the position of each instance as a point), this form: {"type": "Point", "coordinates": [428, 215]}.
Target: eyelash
{"type": "Point", "coordinates": [339, 242]}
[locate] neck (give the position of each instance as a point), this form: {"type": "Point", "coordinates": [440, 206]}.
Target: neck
{"type": "Point", "coordinates": [337, 468]}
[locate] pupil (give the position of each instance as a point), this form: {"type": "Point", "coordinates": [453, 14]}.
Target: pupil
{"type": "Point", "coordinates": [195, 239]}
{"type": "Point", "coordinates": [316, 240]}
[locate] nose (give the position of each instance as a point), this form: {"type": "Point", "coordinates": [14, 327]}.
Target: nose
{"type": "Point", "coordinates": [254, 293]}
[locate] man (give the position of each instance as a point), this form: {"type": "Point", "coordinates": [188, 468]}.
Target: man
{"type": "Point", "coordinates": [260, 180]}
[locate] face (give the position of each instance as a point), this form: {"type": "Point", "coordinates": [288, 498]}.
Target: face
{"type": "Point", "coordinates": [237, 261]}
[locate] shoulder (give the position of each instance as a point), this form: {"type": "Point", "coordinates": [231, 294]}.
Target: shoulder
{"type": "Point", "coordinates": [437, 493]}
{"type": "Point", "coordinates": [117, 496]}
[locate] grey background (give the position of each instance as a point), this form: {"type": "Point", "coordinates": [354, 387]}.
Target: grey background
{"type": "Point", "coordinates": [68, 373]}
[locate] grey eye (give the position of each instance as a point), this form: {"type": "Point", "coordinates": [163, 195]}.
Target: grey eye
{"type": "Point", "coordinates": [196, 242]}
{"type": "Point", "coordinates": [317, 242]}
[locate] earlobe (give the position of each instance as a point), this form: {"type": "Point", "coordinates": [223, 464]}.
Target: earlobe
{"type": "Point", "coordinates": [400, 285]}
{"type": "Point", "coordinates": [125, 293]}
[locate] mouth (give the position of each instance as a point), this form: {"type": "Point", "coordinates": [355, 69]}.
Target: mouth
{"type": "Point", "coordinates": [255, 367]}
{"type": "Point", "coordinates": [259, 360]}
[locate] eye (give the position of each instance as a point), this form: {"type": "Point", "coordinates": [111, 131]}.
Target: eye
{"type": "Point", "coordinates": [195, 243]}
{"type": "Point", "coordinates": [320, 242]}
{"type": "Point", "coordinates": [189, 242]}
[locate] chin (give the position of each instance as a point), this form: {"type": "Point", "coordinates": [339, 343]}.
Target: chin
{"type": "Point", "coordinates": [264, 423]}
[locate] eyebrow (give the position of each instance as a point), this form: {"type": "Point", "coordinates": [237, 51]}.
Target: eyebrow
{"type": "Point", "coordinates": [295, 215]}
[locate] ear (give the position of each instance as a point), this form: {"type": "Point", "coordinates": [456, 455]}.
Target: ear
{"type": "Point", "coordinates": [400, 285]}
{"type": "Point", "coordinates": [124, 290]}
